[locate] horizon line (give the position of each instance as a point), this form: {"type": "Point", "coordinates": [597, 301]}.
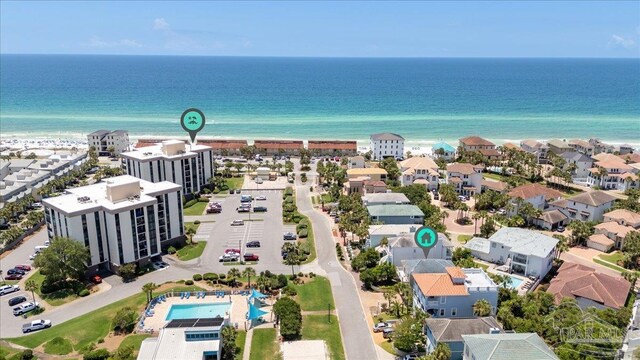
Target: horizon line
{"type": "Point", "coordinates": [333, 57]}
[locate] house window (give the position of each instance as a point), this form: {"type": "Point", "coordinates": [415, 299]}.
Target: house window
{"type": "Point", "coordinates": [443, 300]}
{"type": "Point", "coordinates": [454, 311]}
{"type": "Point", "coordinates": [493, 245]}
{"type": "Point", "coordinates": [441, 312]}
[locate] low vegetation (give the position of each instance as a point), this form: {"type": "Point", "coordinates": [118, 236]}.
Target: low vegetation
{"type": "Point", "coordinates": [321, 327]}
{"type": "Point", "coordinates": [264, 345]}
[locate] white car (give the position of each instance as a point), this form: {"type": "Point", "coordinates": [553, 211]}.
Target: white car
{"type": "Point", "coordinates": [25, 308]}
{"type": "Point", "coordinates": [262, 197]}
{"type": "Point", "coordinates": [8, 289]}
{"type": "Point", "coordinates": [36, 325]}
{"type": "Point", "coordinates": [237, 222]}
{"type": "Point", "coordinates": [229, 257]}
{"type": "Point", "coordinates": [380, 326]}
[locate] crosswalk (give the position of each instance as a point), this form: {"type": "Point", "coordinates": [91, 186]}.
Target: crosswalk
{"type": "Point", "coordinates": [204, 231]}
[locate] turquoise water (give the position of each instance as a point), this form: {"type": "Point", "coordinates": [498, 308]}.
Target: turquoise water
{"type": "Point", "coordinates": [307, 98]}
{"type": "Point", "coordinates": [196, 311]}
{"type": "Point", "coordinates": [514, 282]}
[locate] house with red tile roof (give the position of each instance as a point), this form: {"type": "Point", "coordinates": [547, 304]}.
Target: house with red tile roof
{"type": "Point", "coordinates": [589, 287]}
{"type": "Point", "coordinates": [483, 146]}
{"type": "Point", "coordinates": [466, 178]}
{"type": "Point", "coordinates": [332, 148]}
{"type": "Point", "coordinates": [624, 217]}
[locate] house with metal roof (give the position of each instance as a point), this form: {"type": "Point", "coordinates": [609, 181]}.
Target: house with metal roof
{"type": "Point", "coordinates": [525, 346]}
{"type": "Point", "coordinates": [404, 248]}
{"type": "Point", "coordinates": [442, 150]}
{"type": "Point", "coordinates": [450, 331]}
{"type": "Point", "coordinates": [396, 214]}
{"type": "Point", "coordinates": [385, 199]}
{"type": "Point", "coordinates": [523, 251]}
{"type": "Point", "coordinates": [422, 266]}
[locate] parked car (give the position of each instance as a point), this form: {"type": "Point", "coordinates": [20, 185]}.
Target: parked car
{"type": "Point", "coordinates": [253, 244]}
{"type": "Point", "coordinates": [290, 236]}
{"type": "Point", "coordinates": [96, 279]}
{"type": "Point", "coordinates": [232, 251]}
{"type": "Point", "coordinates": [251, 257]}
{"type": "Point", "coordinates": [8, 289]}
{"type": "Point", "coordinates": [14, 277]}
{"type": "Point", "coordinates": [36, 205]}
{"type": "Point", "coordinates": [4, 226]}
{"type": "Point", "coordinates": [411, 357]}
{"type": "Point", "coordinates": [23, 267]}
{"type": "Point", "coordinates": [214, 210]}
{"type": "Point", "coordinates": [242, 209]}
{"type": "Point", "coordinates": [387, 332]}
{"type": "Point", "coordinates": [260, 209]}
{"type": "Point", "coordinates": [261, 197]}
{"type": "Point", "coordinates": [237, 222]}
{"type": "Point", "coordinates": [17, 300]}
{"type": "Point", "coordinates": [36, 325]}
{"type": "Point", "coordinates": [229, 257]}
{"type": "Point", "coordinates": [15, 271]}
{"type": "Point", "coordinates": [25, 308]}
{"type": "Point", "coordinates": [560, 228]}
{"type": "Point", "coordinates": [380, 326]}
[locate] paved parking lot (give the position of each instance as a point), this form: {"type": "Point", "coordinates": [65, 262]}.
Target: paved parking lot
{"type": "Point", "coordinates": [265, 227]}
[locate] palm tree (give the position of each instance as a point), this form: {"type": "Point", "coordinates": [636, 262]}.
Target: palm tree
{"type": "Point", "coordinates": [476, 217]}
{"type": "Point", "coordinates": [444, 215]}
{"type": "Point", "coordinates": [396, 307]}
{"type": "Point", "coordinates": [190, 232]}
{"type": "Point", "coordinates": [563, 245]}
{"type": "Point", "coordinates": [248, 273]}
{"type": "Point", "coordinates": [442, 352]}
{"type": "Point", "coordinates": [482, 308]}
{"type": "Point", "coordinates": [31, 285]}
{"type": "Point", "coordinates": [388, 295]}
{"type": "Point", "coordinates": [148, 289]}
{"type": "Point", "coordinates": [262, 282]}
{"type": "Point", "coordinates": [630, 276]}
{"type": "Point", "coordinates": [292, 259]}
{"type": "Point", "coordinates": [232, 275]}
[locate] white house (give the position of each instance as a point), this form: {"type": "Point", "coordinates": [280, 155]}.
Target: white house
{"type": "Point", "coordinates": [535, 194]}
{"type": "Point", "coordinates": [524, 251]}
{"type": "Point", "coordinates": [387, 145]}
{"type": "Point", "coordinates": [466, 178]}
{"type": "Point", "coordinates": [190, 166]}
{"type": "Point", "coordinates": [612, 172]}
{"type": "Point", "coordinates": [379, 231]}
{"type": "Point", "coordinates": [386, 198]}
{"type": "Point", "coordinates": [120, 220]}
{"type": "Point", "coordinates": [404, 248]}
{"type": "Point", "coordinates": [582, 146]}
{"type": "Point", "coordinates": [582, 164]}
{"type": "Point", "coordinates": [536, 148]}
{"type": "Point", "coordinates": [102, 140]}
{"type": "Point", "coordinates": [587, 206]}
{"type": "Point", "coordinates": [356, 162]}
{"type": "Point", "coordinates": [419, 168]}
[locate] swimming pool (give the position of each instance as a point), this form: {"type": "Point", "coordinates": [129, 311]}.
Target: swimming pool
{"type": "Point", "coordinates": [514, 282]}
{"type": "Point", "coordinates": [195, 311]}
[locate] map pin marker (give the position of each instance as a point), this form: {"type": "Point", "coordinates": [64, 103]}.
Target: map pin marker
{"type": "Point", "coordinates": [426, 238]}
{"type": "Point", "coordinates": [192, 121]}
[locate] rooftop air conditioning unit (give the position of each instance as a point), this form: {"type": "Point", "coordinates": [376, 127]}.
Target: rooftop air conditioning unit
{"type": "Point", "coordinates": [494, 331]}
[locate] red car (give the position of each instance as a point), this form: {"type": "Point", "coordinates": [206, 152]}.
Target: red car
{"type": "Point", "coordinates": [13, 277]}
{"type": "Point", "coordinates": [251, 257]}
{"type": "Point", "coordinates": [96, 279]}
{"type": "Point", "coordinates": [229, 251]}
{"type": "Point", "coordinates": [23, 267]}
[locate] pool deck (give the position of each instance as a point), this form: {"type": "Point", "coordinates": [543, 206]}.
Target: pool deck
{"type": "Point", "coordinates": [238, 309]}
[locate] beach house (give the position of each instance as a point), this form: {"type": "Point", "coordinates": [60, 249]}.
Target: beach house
{"type": "Point", "coordinates": [506, 346]}
{"type": "Point", "coordinates": [356, 162]}
{"type": "Point", "coordinates": [442, 150]}
{"type": "Point", "coordinates": [587, 206]}
{"type": "Point", "coordinates": [610, 172]}
{"type": "Point", "coordinates": [332, 147]}
{"type": "Point", "coordinates": [395, 214]}
{"type": "Point", "coordinates": [452, 293]}
{"type": "Point", "coordinates": [120, 220]}
{"type": "Point", "coordinates": [404, 248]}
{"type": "Point", "coordinates": [387, 145]}
{"type": "Point", "coordinates": [465, 178]}
{"type": "Point", "coordinates": [379, 231]}
{"type": "Point", "coordinates": [558, 147]}
{"type": "Point", "coordinates": [387, 198]}
{"type": "Point", "coordinates": [450, 331]}
{"type": "Point", "coordinates": [536, 148]}
{"type": "Point", "coordinates": [104, 140]}
{"type": "Point", "coordinates": [523, 251]}
{"type": "Point", "coordinates": [279, 147]}
{"type": "Point", "coordinates": [615, 233]}
{"type": "Point", "coordinates": [581, 165]}
{"type": "Point", "coordinates": [582, 146]}
{"type": "Point", "coordinates": [478, 144]}
{"type": "Point", "coordinates": [225, 147]}
{"type": "Point", "coordinates": [421, 266]}
{"type": "Point", "coordinates": [373, 173]}
{"type": "Point", "coordinates": [190, 166]}
{"type": "Point", "coordinates": [590, 288]}
{"type": "Point", "coordinates": [419, 170]}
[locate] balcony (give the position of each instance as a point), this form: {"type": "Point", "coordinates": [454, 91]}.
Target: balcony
{"type": "Point", "coordinates": [521, 259]}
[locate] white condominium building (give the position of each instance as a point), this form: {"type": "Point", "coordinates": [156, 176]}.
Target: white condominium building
{"type": "Point", "coordinates": [387, 145]}
{"type": "Point", "coordinates": [120, 220]}
{"type": "Point", "coordinates": [102, 140]}
{"type": "Point", "coordinates": [190, 166]}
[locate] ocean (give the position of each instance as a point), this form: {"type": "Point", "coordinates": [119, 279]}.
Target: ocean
{"type": "Point", "coordinates": [424, 100]}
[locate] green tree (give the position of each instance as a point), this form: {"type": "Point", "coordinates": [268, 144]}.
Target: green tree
{"type": "Point", "coordinates": [408, 336]}
{"type": "Point", "coordinates": [632, 249]}
{"type": "Point", "coordinates": [366, 259]}
{"type": "Point", "coordinates": [232, 276]}
{"type": "Point", "coordinates": [289, 315]}
{"type": "Point", "coordinates": [128, 272]}
{"type": "Point", "coordinates": [64, 259]}
{"type": "Point", "coordinates": [562, 246]}
{"type": "Point", "coordinates": [487, 228]}
{"type": "Point", "coordinates": [416, 193]}
{"type": "Point", "coordinates": [248, 273]}
{"type": "Point", "coordinates": [148, 290]}
{"type": "Point", "coordinates": [292, 259]}
{"type": "Point", "coordinates": [580, 231]}
{"type": "Point", "coordinates": [124, 320]}
{"type": "Point", "coordinates": [229, 348]}
{"type": "Point", "coordinates": [123, 353]}
{"type": "Point", "coordinates": [393, 172]}
{"type": "Point", "coordinates": [441, 352]}
{"type": "Point", "coordinates": [482, 308]}
{"type": "Point", "coordinates": [190, 232]}
{"type": "Point", "coordinates": [31, 285]}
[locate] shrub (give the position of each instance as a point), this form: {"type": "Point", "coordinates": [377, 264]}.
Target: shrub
{"type": "Point", "coordinates": [191, 203]}
{"type": "Point", "coordinates": [171, 250]}
{"type": "Point", "coordinates": [27, 355]}
{"type": "Point", "coordinates": [312, 274]}
{"type": "Point", "coordinates": [99, 354]}
{"type": "Point", "coordinates": [300, 274]}
{"type": "Point", "coordinates": [196, 222]}
{"type": "Point", "coordinates": [290, 290]}
{"type": "Point", "coordinates": [301, 226]}
{"type": "Point", "coordinates": [203, 199]}
{"type": "Point", "coordinates": [197, 277]}
{"type": "Point", "coordinates": [222, 276]}
{"type": "Point", "coordinates": [282, 281]}
{"type": "Point", "coordinates": [216, 191]}
{"type": "Point", "coordinates": [48, 286]}
{"type": "Point", "coordinates": [100, 341]}
{"type": "Point", "coordinates": [293, 277]}
{"type": "Point", "coordinates": [210, 277]}
{"type": "Point", "coordinates": [124, 320]}
{"type": "Point", "coordinates": [188, 282]}
{"type": "Point", "coordinates": [128, 271]}
{"type": "Point", "coordinates": [83, 293]}
{"type": "Point", "coordinates": [38, 310]}
{"type": "Point", "coordinates": [303, 233]}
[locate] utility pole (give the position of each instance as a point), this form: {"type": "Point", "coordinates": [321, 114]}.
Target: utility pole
{"type": "Point", "coordinates": [329, 313]}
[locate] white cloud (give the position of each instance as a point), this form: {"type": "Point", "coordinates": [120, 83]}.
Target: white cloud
{"type": "Point", "coordinates": [160, 24]}
{"type": "Point", "coordinates": [99, 43]}
{"type": "Point", "coordinates": [617, 40]}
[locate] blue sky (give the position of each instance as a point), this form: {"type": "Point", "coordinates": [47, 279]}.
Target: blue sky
{"type": "Point", "coordinates": [381, 29]}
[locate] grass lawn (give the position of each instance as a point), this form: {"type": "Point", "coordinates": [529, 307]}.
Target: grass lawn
{"type": "Point", "coordinates": [55, 298]}
{"type": "Point", "coordinates": [326, 198]}
{"type": "Point", "coordinates": [315, 295]}
{"type": "Point", "coordinates": [609, 265]}
{"type": "Point", "coordinates": [385, 316]}
{"type": "Point", "coordinates": [235, 182]}
{"type": "Point", "coordinates": [195, 209]}
{"type": "Point", "coordinates": [311, 240]}
{"type": "Point", "coordinates": [240, 340]}
{"type": "Point", "coordinates": [189, 252]}
{"type": "Point", "coordinates": [7, 351]}
{"type": "Point", "coordinates": [483, 266]}
{"type": "Point", "coordinates": [464, 238]}
{"type": "Point", "coordinates": [264, 345]}
{"type": "Point", "coordinates": [134, 340]}
{"type": "Point", "coordinates": [9, 282]}
{"type": "Point", "coordinates": [316, 327]}
{"type": "Point", "coordinates": [190, 225]}
{"type": "Point", "coordinates": [388, 347]}
{"type": "Point", "coordinates": [58, 346]}
{"type": "Point", "coordinates": [90, 327]}
{"type": "Point", "coordinates": [614, 257]}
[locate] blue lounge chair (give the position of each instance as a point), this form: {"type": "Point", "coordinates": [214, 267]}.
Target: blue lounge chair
{"type": "Point", "coordinates": [188, 295]}
{"type": "Point", "coordinates": [181, 296]}
{"type": "Point", "coordinates": [203, 294]}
